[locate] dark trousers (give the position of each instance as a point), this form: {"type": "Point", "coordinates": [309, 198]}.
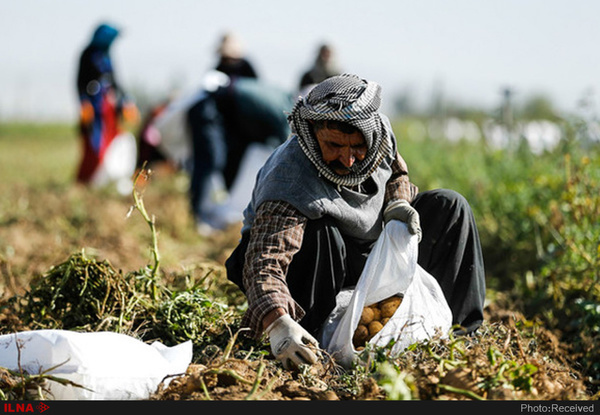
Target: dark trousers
{"type": "Point", "coordinates": [450, 250]}
{"type": "Point", "coordinates": [209, 150]}
{"type": "Point", "coordinates": [328, 261]}
{"type": "Point", "coordinates": [215, 149]}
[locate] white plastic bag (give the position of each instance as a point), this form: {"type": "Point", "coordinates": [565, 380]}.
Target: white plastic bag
{"type": "Point", "coordinates": [172, 124]}
{"type": "Point", "coordinates": [222, 213]}
{"type": "Point", "coordinates": [175, 135]}
{"type": "Point", "coordinates": [118, 165]}
{"type": "Point", "coordinates": [391, 269]}
{"type": "Point", "coordinates": [112, 366]}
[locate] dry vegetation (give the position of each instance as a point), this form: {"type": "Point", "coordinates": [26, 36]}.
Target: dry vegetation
{"type": "Point", "coordinates": [73, 247]}
{"type": "Point", "coordinates": [71, 257]}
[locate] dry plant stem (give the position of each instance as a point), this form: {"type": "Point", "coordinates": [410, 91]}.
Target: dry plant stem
{"type": "Point", "coordinates": [139, 205]}
{"type": "Point", "coordinates": [21, 373]}
{"type": "Point", "coordinates": [230, 344]}
{"type": "Point", "coordinates": [256, 384]}
{"type": "Point", "coordinates": [459, 391]}
{"type": "Point", "coordinates": [259, 396]}
{"type": "Point", "coordinates": [205, 389]}
{"type": "Point", "coordinates": [229, 372]}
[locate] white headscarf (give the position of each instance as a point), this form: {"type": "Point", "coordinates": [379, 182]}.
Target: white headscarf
{"type": "Point", "coordinates": [346, 98]}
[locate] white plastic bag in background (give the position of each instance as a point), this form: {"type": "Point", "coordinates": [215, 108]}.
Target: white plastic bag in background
{"type": "Point", "coordinates": [175, 135]}
{"type": "Point", "coordinates": [222, 213]}
{"type": "Point", "coordinates": [391, 269]}
{"type": "Point", "coordinates": [118, 165]}
{"type": "Point", "coordinates": [172, 123]}
{"type": "Point", "coordinates": [112, 366]}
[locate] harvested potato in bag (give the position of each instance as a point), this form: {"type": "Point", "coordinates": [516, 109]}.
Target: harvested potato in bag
{"type": "Point", "coordinates": [375, 313]}
{"type": "Point", "coordinates": [373, 318]}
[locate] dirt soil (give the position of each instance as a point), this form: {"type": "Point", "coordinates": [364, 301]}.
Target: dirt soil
{"type": "Point", "coordinates": [47, 227]}
{"type": "Point", "coordinates": [241, 379]}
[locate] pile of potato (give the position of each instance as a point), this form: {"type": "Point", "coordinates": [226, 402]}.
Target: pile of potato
{"type": "Point", "coordinates": [373, 318]}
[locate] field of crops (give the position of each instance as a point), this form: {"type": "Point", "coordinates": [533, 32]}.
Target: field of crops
{"type": "Point", "coordinates": [87, 259]}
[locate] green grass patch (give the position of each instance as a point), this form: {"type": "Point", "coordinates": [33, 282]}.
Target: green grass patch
{"type": "Point", "coordinates": [38, 154]}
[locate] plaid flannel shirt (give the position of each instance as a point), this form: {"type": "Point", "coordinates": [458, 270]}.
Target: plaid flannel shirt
{"type": "Point", "coordinates": [276, 235]}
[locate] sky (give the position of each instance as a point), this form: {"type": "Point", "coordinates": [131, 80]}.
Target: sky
{"type": "Point", "coordinates": [467, 51]}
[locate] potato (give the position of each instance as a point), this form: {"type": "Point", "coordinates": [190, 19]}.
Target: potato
{"type": "Point", "coordinates": [366, 316]}
{"type": "Point", "coordinates": [389, 306]}
{"type": "Point", "coordinates": [374, 328]}
{"type": "Point", "coordinates": [376, 312]}
{"type": "Point", "coordinates": [373, 318]}
{"type": "Point", "coordinates": [388, 310]}
{"type": "Point", "coordinates": [360, 335]}
{"type": "Point", "coordinates": [395, 299]}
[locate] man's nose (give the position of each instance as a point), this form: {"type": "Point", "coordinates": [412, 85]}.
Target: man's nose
{"type": "Point", "coordinates": [347, 157]}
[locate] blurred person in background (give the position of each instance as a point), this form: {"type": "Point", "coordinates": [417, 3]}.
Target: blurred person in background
{"type": "Point", "coordinates": [223, 123]}
{"type": "Point", "coordinates": [325, 66]}
{"type": "Point", "coordinates": [319, 204]}
{"type": "Point", "coordinates": [148, 138]}
{"type": "Point", "coordinates": [103, 103]}
{"type": "Point", "coordinates": [232, 61]}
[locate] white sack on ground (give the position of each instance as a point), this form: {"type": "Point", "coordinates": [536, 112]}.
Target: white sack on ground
{"type": "Point", "coordinates": [390, 269]}
{"type": "Point", "coordinates": [113, 366]}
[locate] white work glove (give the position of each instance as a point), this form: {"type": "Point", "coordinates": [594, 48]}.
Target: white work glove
{"type": "Point", "coordinates": [291, 343]}
{"type": "Point", "coordinates": [402, 210]}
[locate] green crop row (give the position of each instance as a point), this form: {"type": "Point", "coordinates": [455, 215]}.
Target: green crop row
{"type": "Point", "coordinates": [538, 218]}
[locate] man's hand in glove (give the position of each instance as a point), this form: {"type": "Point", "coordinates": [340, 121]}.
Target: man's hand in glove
{"type": "Point", "coordinates": [291, 343]}
{"type": "Point", "coordinates": [402, 210]}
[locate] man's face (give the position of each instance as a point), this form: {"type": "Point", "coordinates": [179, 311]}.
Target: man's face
{"type": "Point", "coordinates": [341, 150]}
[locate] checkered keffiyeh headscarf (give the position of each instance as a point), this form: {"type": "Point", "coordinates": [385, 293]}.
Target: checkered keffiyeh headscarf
{"type": "Point", "coordinates": [349, 99]}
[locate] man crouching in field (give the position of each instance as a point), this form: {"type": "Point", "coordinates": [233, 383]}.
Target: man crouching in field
{"type": "Point", "coordinates": [318, 206]}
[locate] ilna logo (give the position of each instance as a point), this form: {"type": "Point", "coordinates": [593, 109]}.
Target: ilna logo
{"type": "Point", "coordinates": [25, 407]}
